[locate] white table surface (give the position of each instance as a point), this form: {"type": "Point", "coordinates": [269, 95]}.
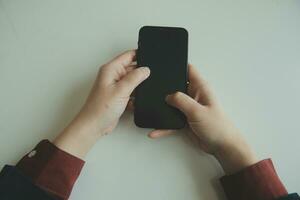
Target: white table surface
{"type": "Point", "coordinates": [249, 51]}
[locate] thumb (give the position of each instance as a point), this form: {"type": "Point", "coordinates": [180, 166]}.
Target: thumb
{"type": "Point", "coordinates": [130, 81]}
{"type": "Point", "coordinates": [183, 102]}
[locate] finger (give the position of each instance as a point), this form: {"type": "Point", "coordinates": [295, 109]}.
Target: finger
{"type": "Point", "coordinates": [131, 80]}
{"type": "Point", "coordinates": [117, 67]}
{"type": "Point", "coordinates": [124, 59]}
{"type": "Point", "coordinates": [193, 73]}
{"type": "Point", "coordinates": [126, 71]}
{"type": "Point", "coordinates": [204, 93]}
{"type": "Point", "coordinates": [130, 68]}
{"type": "Point", "coordinates": [184, 103]}
{"type": "Point", "coordinates": [123, 73]}
{"type": "Point", "coordinates": [160, 133]}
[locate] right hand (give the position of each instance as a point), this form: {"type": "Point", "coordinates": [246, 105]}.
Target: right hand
{"type": "Point", "coordinates": [210, 127]}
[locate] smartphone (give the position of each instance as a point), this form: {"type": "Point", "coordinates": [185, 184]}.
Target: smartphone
{"type": "Point", "coordinates": [165, 51]}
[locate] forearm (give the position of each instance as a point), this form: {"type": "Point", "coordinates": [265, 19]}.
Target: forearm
{"type": "Point", "coordinates": [79, 136]}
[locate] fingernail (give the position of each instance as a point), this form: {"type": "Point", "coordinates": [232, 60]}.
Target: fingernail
{"type": "Point", "coordinates": [167, 97]}
{"type": "Point", "coordinates": [146, 70]}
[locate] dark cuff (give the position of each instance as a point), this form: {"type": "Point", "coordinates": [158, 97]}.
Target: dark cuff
{"type": "Point", "coordinates": [259, 181]}
{"type": "Point", "coordinates": [51, 168]}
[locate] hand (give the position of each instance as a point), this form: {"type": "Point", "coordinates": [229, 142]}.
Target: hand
{"type": "Point", "coordinates": [105, 104]}
{"type": "Point", "coordinates": [209, 125]}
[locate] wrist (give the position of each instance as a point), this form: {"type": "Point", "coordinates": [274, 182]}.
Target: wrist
{"type": "Point", "coordinates": [78, 137]}
{"type": "Point", "coordinates": [235, 156]}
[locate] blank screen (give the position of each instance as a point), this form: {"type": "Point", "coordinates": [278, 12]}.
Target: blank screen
{"type": "Point", "coordinates": [164, 51]}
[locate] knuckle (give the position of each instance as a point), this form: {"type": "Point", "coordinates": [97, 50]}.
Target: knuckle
{"type": "Point", "coordinates": [177, 97]}
{"type": "Point", "coordinates": [102, 69]}
{"type": "Point", "coordinates": [104, 66]}
{"type": "Point", "coordinates": [128, 52]}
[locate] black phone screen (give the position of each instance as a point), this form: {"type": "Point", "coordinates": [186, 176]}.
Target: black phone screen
{"type": "Point", "coordinates": [164, 50]}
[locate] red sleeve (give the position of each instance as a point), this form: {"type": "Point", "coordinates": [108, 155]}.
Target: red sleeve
{"type": "Point", "coordinates": [52, 169]}
{"type": "Point", "coordinates": [259, 181]}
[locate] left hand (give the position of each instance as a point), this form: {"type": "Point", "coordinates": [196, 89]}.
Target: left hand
{"type": "Point", "coordinates": [105, 104]}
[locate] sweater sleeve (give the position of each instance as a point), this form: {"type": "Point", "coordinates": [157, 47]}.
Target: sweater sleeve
{"type": "Point", "coordinates": [52, 169]}
{"type": "Point", "coordinates": [259, 181]}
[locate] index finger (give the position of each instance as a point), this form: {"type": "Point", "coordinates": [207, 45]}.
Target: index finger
{"type": "Point", "coordinates": [200, 84]}
{"type": "Point", "coordinates": [124, 59]}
